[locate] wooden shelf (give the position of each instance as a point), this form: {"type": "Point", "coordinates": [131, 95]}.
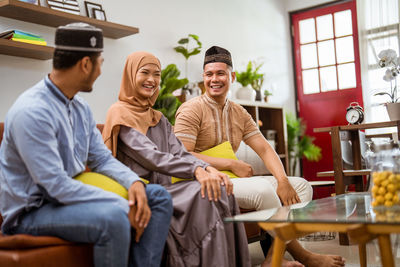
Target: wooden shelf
{"type": "Point", "coordinates": [19, 49]}
{"type": "Point", "coordinates": [15, 9]}
{"type": "Point", "coordinates": [345, 173]}
{"type": "Point", "coordinates": [256, 104]}
{"type": "Point", "coordinates": [359, 126]}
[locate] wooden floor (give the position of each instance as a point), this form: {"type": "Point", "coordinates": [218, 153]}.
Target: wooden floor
{"type": "Point", "coordinates": [350, 253]}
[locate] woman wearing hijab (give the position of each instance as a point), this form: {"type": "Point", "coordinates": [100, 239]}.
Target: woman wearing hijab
{"type": "Point", "coordinates": [143, 139]}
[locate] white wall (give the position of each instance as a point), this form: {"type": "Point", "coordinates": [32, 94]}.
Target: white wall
{"type": "Point", "coordinates": [257, 29]}
{"type": "Point", "coordinates": [294, 5]}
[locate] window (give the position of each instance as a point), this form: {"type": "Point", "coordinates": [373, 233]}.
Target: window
{"type": "Point", "coordinates": [327, 52]}
{"type": "Point", "coordinates": [381, 18]}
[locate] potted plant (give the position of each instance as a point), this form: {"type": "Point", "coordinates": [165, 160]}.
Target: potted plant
{"type": "Point", "coordinates": [190, 89]}
{"type": "Point", "coordinates": [250, 77]}
{"type": "Point", "coordinates": [299, 144]}
{"type": "Point", "coordinates": [388, 59]}
{"type": "Point", "coordinates": [166, 102]}
{"type": "Point", "coordinates": [267, 93]}
{"type": "Point", "coordinates": [183, 48]}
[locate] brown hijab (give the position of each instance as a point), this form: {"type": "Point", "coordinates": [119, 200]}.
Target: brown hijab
{"type": "Point", "coordinates": [131, 110]}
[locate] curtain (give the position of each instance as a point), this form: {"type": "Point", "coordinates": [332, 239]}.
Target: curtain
{"type": "Point", "coordinates": [378, 23]}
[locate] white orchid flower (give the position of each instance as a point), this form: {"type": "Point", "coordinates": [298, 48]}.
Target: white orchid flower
{"type": "Point", "coordinates": [387, 57]}
{"type": "Point", "coordinates": [388, 75]}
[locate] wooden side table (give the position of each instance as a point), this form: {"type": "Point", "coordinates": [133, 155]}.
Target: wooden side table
{"type": "Point", "coordinates": [355, 175]}
{"type": "Point", "coordinates": [338, 172]}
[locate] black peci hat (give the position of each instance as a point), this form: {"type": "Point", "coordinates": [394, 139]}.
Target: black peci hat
{"type": "Point", "coordinates": [217, 54]}
{"type": "Point", "coordinates": [79, 37]}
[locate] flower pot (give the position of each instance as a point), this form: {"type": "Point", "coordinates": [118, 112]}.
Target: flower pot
{"type": "Point", "coordinates": [393, 110]}
{"type": "Point", "coordinates": [265, 99]}
{"type": "Point", "coordinates": [245, 93]}
{"type": "Point", "coordinates": [258, 95]}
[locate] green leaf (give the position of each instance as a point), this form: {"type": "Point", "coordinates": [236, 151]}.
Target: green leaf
{"type": "Point", "coordinates": [166, 102]}
{"type": "Point", "coordinates": [182, 50]}
{"type": "Point", "coordinates": [196, 38]}
{"type": "Point", "coordinates": [194, 52]}
{"type": "Point", "coordinates": [183, 41]}
{"type": "Point", "coordinates": [299, 144]}
{"type": "Point", "coordinates": [174, 83]}
{"type": "Point", "coordinates": [251, 76]}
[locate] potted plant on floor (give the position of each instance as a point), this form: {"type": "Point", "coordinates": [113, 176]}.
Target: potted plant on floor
{"type": "Point", "coordinates": [250, 78]}
{"type": "Point", "coordinates": [299, 144]}
{"type": "Point", "coordinates": [388, 59]}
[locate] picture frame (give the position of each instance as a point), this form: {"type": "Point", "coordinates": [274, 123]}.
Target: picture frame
{"type": "Point", "coordinates": [89, 6]}
{"type": "Point", "coordinates": [99, 14]}
{"type": "Point", "coordinates": [69, 6]}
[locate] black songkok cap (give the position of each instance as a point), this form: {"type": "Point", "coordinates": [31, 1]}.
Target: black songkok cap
{"type": "Point", "coordinates": [79, 37]}
{"type": "Point", "coordinates": [217, 54]}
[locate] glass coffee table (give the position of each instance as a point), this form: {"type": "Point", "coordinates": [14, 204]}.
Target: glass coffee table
{"type": "Point", "coordinates": [348, 213]}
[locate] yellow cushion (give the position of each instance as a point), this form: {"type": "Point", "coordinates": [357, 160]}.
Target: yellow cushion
{"type": "Point", "coordinates": [103, 182]}
{"type": "Point", "coordinates": [223, 150]}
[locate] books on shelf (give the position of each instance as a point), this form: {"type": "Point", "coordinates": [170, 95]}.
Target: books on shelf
{"type": "Point", "coordinates": [21, 36]}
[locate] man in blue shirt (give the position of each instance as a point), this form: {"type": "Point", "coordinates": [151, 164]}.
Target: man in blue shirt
{"type": "Point", "coordinates": [49, 138]}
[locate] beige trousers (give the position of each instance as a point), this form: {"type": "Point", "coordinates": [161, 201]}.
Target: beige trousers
{"type": "Point", "coordinates": [259, 192]}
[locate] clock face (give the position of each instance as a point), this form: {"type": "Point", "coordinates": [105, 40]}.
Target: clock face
{"type": "Point", "coordinates": [352, 116]}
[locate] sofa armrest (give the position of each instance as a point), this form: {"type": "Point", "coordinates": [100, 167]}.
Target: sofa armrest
{"type": "Point", "coordinates": [22, 241]}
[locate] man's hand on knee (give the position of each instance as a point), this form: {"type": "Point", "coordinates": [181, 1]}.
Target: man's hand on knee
{"type": "Point", "coordinates": [139, 210]}
{"type": "Point", "coordinates": [286, 193]}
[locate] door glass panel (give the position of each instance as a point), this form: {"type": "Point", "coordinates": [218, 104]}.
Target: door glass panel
{"type": "Point", "coordinates": [328, 79]}
{"type": "Point", "coordinates": [345, 49]}
{"type": "Point", "coordinates": [308, 56]}
{"type": "Point", "coordinates": [310, 81]}
{"type": "Point", "coordinates": [347, 76]}
{"type": "Point", "coordinates": [343, 23]}
{"type": "Point", "coordinates": [307, 30]}
{"type": "Point", "coordinates": [326, 53]}
{"type": "Point", "coordinates": [325, 27]}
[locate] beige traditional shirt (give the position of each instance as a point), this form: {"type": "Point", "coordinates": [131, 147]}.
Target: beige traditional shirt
{"type": "Point", "coordinates": [204, 122]}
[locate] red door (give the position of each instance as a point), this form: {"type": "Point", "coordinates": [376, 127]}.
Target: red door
{"type": "Point", "coordinates": [327, 74]}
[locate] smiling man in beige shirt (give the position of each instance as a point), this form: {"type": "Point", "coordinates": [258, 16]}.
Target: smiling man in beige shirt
{"type": "Point", "coordinates": [211, 119]}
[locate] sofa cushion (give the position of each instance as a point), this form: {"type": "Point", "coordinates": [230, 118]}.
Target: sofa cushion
{"type": "Point", "coordinates": [67, 255]}
{"type": "Point", "coordinates": [223, 150]}
{"type": "Point", "coordinates": [103, 182]}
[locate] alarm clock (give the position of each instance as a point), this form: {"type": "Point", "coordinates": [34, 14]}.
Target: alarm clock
{"type": "Point", "coordinates": [354, 113]}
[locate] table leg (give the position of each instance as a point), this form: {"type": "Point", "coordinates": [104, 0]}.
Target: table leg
{"type": "Point", "coordinates": [362, 236]}
{"type": "Point", "coordinates": [362, 250]}
{"type": "Point", "coordinates": [278, 251]}
{"type": "Point", "coordinates": [386, 250]}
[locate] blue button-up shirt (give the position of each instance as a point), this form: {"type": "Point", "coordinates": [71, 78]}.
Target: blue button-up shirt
{"type": "Point", "coordinates": [48, 139]}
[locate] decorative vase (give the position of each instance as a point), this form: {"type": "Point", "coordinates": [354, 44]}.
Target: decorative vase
{"type": "Point", "coordinates": [258, 95]}
{"type": "Point", "coordinates": [245, 93]}
{"type": "Point", "coordinates": [265, 99]}
{"type": "Point", "coordinates": [393, 110]}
